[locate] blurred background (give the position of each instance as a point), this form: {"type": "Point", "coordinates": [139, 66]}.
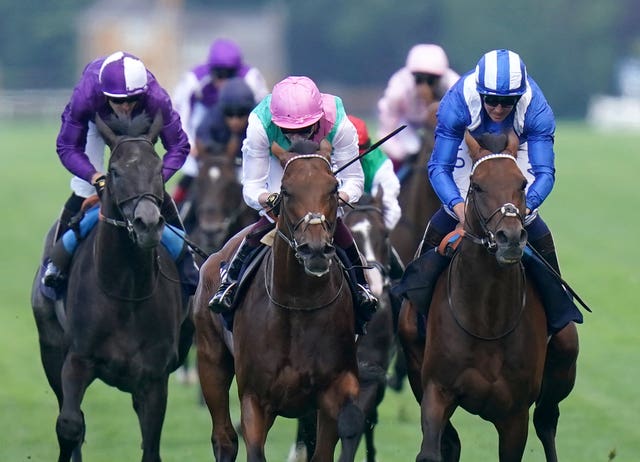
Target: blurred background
{"type": "Point", "coordinates": [584, 54]}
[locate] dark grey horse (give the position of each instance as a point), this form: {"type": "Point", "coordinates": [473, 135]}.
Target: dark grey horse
{"type": "Point", "coordinates": [123, 318]}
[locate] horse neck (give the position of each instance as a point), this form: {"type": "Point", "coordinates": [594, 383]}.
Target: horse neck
{"type": "Point", "coordinates": [490, 292]}
{"type": "Point", "coordinates": [122, 266]}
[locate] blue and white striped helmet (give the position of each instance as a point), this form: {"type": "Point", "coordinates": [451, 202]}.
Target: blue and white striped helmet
{"type": "Point", "coordinates": [502, 73]}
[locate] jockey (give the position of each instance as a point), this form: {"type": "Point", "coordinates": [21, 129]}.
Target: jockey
{"type": "Point", "coordinates": [296, 110]}
{"type": "Point", "coordinates": [423, 80]}
{"type": "Point", "coordinates": [378, 172]}
{"type": "Point", "coordinates": [116, 86]}
{"type": "Point", "coordinates": [199, 90]}
{"type": "Point", "coordinates": [225, 125]}
{"type": "Point", "coordinates": [496, 97]}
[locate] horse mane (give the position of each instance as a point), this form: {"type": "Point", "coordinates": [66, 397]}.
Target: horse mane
{"type": "Point", "coordinates": [136, 126]}
{"type": "Point", "coordinates": [304, 147]}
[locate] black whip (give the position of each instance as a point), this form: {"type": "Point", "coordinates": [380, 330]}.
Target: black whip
{"type": "Point", "coordinates": [371, 148]}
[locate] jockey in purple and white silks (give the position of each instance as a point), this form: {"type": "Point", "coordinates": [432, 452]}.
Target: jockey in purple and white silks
{"type": "Point", "coordinates": [120, 86]}
{"type": "Point", "coordinates": [199, 90]}
{"type": "Point", "coordinates": [296, 110]}
{"type": "Point", "coordinates": [425, 78]}
{"type": "Point", "coordinates": [496, 97]}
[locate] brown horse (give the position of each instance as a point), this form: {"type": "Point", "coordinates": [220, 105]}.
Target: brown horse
{"type": "Point", "coordinates": [124, 319]}
{"type": "Point", "coordinates": [219, 211]}
{"type": "Point", "coordinates": [486, 332]}
{"type": "Point", "coordinates": [366, 222]}
{"type": "Point", "coordinates": [293, 344]}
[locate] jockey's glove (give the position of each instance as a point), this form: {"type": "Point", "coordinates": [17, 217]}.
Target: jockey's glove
{"type": "Point", "coordinates": [100, 184]}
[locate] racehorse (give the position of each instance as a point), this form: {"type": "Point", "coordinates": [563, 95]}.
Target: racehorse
{"type": "Point", "coordinates": [124, 319]}
{"type": "Point", "coordinates": [486, 332]}
{"type": "Point", "coordinates": [218, 209]}
{"type": "Point", "coordinates": [366, 222]}
{"type": "Point", "coordinates": [293, 344]}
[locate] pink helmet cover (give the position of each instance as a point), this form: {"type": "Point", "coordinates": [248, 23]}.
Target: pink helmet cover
{"type": "Point", "coordinates": [296, 102]}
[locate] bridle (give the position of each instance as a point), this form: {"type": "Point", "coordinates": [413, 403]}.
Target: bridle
{"type": "Point", "coordinates": [126, 222]}
{"type": "Point", "coordinates": [309, 219]}
{"type": "Point", "coordinates": [507, 210]}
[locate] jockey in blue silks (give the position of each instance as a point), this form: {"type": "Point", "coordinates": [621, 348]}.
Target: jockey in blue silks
{"type": "Point", "coordinates": [496, 97]}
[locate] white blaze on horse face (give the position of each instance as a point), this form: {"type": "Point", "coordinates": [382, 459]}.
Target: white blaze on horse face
{"type": "Point", "coordinates": [215, 173]}
{"type": "Point", "coordinates": [374, 277]}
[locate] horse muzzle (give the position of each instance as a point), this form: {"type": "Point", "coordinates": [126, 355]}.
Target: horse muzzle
{"type": "Point", "coordinates": [147, 224]}
{"type": "Point", "coordinates": [316, 258]}
{"type": "Point", "coordinates": [510, 245]}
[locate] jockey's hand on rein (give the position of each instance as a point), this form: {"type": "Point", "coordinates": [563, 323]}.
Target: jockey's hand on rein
{"type": "Point", "coordinates": [273, 203]}
{"type": "Point", "coordinates": [100, 183]}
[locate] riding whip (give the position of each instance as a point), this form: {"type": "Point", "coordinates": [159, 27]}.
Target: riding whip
{"type": "Point", "coordinates": [371, 148]}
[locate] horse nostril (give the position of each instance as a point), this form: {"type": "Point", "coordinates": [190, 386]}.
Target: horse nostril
{"type": "Point", "coordinates": [329, 250]}
{"type": "Point", "coordinates": [523, 236]}
{"type": "Point", "coordinates": [303, 250]}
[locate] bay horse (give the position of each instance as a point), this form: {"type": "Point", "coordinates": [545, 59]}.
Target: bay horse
{"type": "Point", "coordinates": [366, 222]}
{"type": "Point", "coordinates": [293, 347]}
{"type": "Point", "coordinates": [219, 211]}
{"type": "Point", "coordinates": [486, 333]}
{"type": "Point", "coordinates": [123, 319]}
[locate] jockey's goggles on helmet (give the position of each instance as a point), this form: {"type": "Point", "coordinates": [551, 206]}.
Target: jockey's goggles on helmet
{"type": "Point", "coordinates": [504, 101]}
{"type": "Point", "coordinates": [224, 72]}
{"type": "Point", "coordinates": [422, 78]}
{"type": "Point", "coordinates": [304, 132]}
{"type": "Point", "coordinates": [236, 111]}
{"type": "Point", "coordinates": [127, 99]}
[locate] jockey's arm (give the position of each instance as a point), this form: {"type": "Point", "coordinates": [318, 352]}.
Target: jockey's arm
{"type": "Point", "coordinates": [255, 164]}
{"type": "Point", "coordinates": [345, 148]}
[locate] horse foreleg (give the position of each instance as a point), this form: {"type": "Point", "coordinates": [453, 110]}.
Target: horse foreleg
{"type": "Point", "coordinates": [216, 370]}
{"type": "Point", "coordinates": [305, 444]}
{"type": "Point", "coordinates": [512, 436]}
{"type": "Point", "coordinates": [412, 346]}
{"type": "Point", "coordinates": [557, 382]}
{"type": "Point", "coordinates": [77, 375]}
{"type": "Point", "coordinates": [256, 422]}
{"type": "Point", "coordinates": [436, 410]}
{"type": "Point", "coordinates": [150, 404]}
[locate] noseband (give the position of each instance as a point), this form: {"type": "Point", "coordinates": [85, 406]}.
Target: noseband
{"type": "Point", "coordinates": [309, 219]}
{"type": "Point", "coordinates": [488, 238]}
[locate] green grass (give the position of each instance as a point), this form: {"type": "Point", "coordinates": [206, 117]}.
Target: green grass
{"type": "Point", "coordinates": [591, 212]}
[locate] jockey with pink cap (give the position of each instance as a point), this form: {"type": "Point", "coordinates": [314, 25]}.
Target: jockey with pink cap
{"type": "Point", "coordinates": [424, 79]}
{"type": "Point", "coordinates": [296, 110]}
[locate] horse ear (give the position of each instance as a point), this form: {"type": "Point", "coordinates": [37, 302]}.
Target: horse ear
{"type": "Point", "coordinates": [326, 148]}
{"type": "Point", "coordinates": [156, 127]}
{"type": "Point", "coordinates": [475, 150]}
{"type": "Point", "coordinates": [379, 195]}
{"type": "Point", "coordinates": [282, 155]}
{"type": "Point", "coordinates": [107, 134]}
{"type": "Point", "coordinates": [513, 143]}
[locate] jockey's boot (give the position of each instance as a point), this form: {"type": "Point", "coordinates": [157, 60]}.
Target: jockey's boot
{"type": "Point", "coordinates": [547, 250]}
{"type": "Point", "coordinates": [366, 302]}
{"type": "Point", "coordinates": [187, 268]}
{"type": "Point", "coordinates": [59, 259]}
{"type": "Point", "coordinates": [222, 300]}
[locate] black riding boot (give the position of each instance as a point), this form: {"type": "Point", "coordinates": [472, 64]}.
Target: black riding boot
{"type": "Point", "coordinates": [222, 300]}
{"type": "Point", "coordinates": [58, 262]}
{"type": "Point", "coordinates": [187, 268]}
{"type": "Point", "coordinates": [547, 250]}
{"type": "Point", "coordinates": [366, 302]}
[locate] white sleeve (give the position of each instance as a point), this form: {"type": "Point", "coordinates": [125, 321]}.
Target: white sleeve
{"type": "Point", "coordinates": [392, 109]}
{"type": "Point", "coordinates": [181, 101]}
{"type": "Point", "coordinates": [256, 81]}
{"type": "Point", "coordinates": [255, 162]}
{"type": "Point", "coordinates": [387, 179]}
{"type": "Point", "coordinates": [345, 148]}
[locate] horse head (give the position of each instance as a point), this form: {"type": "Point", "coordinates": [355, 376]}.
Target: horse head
{"type": "Point", "coordinates": [309, 203]}
{"type": "Point", "coordinates": [495, 209]}
{"type": "Point", "coordinates": [366, 222]}
{"type": "Point", "coordinates": [134, 188]}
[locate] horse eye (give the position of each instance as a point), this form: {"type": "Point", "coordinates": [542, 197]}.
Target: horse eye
{"type": "Point", "coordinates": [284, 192]}
{"type": "Point", "coordinates": [476, 188]}
{"type": "Point", "coordinates": [524, 185]}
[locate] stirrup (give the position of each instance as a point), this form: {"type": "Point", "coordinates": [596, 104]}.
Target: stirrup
{"type": "Point", "coordinates": [366, 298]}
{"type": "Point", "coordinates": [222, 300]}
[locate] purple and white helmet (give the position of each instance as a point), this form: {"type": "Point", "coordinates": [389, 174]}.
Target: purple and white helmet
{"type": "Point", "coordinates": [502, 73]}
{"type": "Point", "coordinates": [122, 75]}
